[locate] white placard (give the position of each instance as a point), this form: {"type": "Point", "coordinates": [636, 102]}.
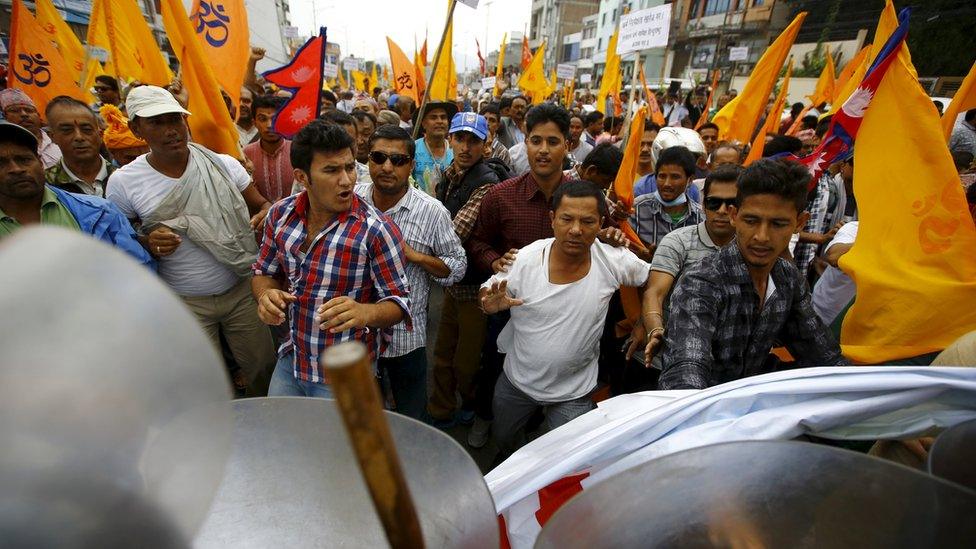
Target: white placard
{"type": "Point", "coordinates": [473, 4]}
{"type": "Point", "coordinates": [565, 71]}
{"type": "Point", "coordinates": [98, 52]}
{"type": "Point", "coordinates": [290, 32]}
{"type": "Point", "coordinates": [460, 88]}
{"type": "Point", "coordinates": [740, 53]}
{"type": "Point", "coordinates": [330, 70]}
{"type": "Point", "coordinates": [488, 82]}
{"type": "Point", "coordinates": [350, 64]}
{"type": "Point", "coordinates": [586, 78]}
{"type": "Point", "coordinates": [644, 29]}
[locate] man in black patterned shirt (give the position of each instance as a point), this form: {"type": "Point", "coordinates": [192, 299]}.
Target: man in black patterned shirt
{"type": "Point", "coordinates": [731, 309]}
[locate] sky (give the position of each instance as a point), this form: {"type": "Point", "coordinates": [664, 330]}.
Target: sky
{"type": "Point", "coordinates": [360, 27]}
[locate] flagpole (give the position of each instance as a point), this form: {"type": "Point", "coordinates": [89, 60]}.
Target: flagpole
{"type": "Point", "coordinates": [433, 71]}
{"type": "Point", "coordinates": [630, 101]}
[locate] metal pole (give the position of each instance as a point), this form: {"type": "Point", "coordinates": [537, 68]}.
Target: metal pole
{"type": "Point", "coordinates": [433, 71]}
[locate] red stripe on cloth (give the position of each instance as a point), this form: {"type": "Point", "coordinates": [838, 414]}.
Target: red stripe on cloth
{"type": "Point", "coordinates": [552, 497]}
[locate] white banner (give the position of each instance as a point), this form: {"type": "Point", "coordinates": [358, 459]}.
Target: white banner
{"type": "Point", "coordinates": [473, 4]}
{"type": "Point", "coordinates": [350, 63]}
{"type": "Point", "coordinates": [644, 29]}
{"type": "Point", "coordinates": [488, 82]}
{"type": "Point", "coordinates": [98, 52]}
{"type": "Point", "coordinates": [586, 78]}
{"type": "Point", "coordinates": [290, 32]}
{"type": "Point", "coordinates": [842, 403]}
{"type": "Point", "coordinates": [330, 70]}
{"type": "Point", "coordinates": [740, 53]}
{"type": "Point", "coordinates": [565, 71]}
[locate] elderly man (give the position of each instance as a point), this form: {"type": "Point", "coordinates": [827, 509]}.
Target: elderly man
{"type": "Point", "coordinates": [123, 146]}
{"type": "Point", "coordinates": [512, 130]}
{"type": "Point", "coordinates": [74, 129]}
{"type": "Point", "coordinates": [26, 200]}
{"type": "Point", "coordinates": [18, 108]}
{"type": "Point", "coordinates": [434, 154]}
{"type": "Point", "coordinates": [558, 291]}
{"type": "Point", "coordinates": [331, 260]}
{"type": "Point", "coordinates": [365, 126]}
{"type": "Point", "coordinates": [404, 106]}
{"type": "Point", "coordinates": [432, 250]}
{"type": "Point", "coordinates": [461, 332]}
{"type": "Point", "coordinates": [195, 208]}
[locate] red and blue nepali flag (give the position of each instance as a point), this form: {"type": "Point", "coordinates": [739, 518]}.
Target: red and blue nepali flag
{"type": "Point", "coordinates": [838, 142]}
{"type": "Point", "coordinates": [303, 78]}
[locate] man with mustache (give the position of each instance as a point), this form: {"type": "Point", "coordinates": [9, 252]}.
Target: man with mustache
{"type": "Point", "coordinates": [558, 290]}
{"type": "Point", "coordinates": [197, 212]}
{"type": "Point", "coordinates": [75, 130]}
{"type": "Point", "coordinates": [26, 200]}
{"type": "Point", "coordinates": [669, 207]}
{"type": "Point", "coordinates": [432, 251]}
{"type": "Point", "coordinates": [20, 109]}
{"type": "Point", "coordinates": [728, 311]}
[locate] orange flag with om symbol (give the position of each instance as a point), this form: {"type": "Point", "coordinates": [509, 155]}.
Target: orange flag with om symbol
{"type": "Point", "coordinates": [221, 27]}
{"type": "Point", "coordinates": [36, 67]}
{"type": "Point", "coordinates": [914, 260]}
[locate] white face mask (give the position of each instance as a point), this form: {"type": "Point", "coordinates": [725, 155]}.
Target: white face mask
{"type": "Point", "coordinates": [681, 199]}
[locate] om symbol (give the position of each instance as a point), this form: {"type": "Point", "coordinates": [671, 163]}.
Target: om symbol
{"type": "Point", "coordinates": [404, 81]}
{"type": "Point", "coordinates": [940, 218]}
{"type": "Point", "coordinates": [35, 70]}
{"type": "Point", "coordinates": [212, 16]}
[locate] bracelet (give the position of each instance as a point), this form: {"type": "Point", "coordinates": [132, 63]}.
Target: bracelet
{"type": "Point", "coordinates": [659, 315]}
{"type": "Point", "coordinates": [655, 330]}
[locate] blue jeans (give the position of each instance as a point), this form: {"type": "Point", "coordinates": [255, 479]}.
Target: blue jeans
{"type": "Point", "coordinates": [284, 382]}
{"type": "Point", "coordinates": [408, 381]}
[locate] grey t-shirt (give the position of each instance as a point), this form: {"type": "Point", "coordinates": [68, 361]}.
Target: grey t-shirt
{"type": "Point", "coordinates": [682, 248]}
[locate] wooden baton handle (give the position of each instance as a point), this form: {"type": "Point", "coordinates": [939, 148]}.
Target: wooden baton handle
{"type": "Point", "coordinates": [357, 394]}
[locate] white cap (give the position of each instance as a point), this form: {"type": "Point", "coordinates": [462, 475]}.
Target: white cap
{"type": "Point", "coordinates": [149, 101]}
{"type": "Point", "coordinates": [670, 136]}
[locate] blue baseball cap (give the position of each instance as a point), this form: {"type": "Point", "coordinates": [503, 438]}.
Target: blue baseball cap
{"type": "Point", "coordinates": [470, 122]}
{"type": "Point", "coordinates": [392, 100]}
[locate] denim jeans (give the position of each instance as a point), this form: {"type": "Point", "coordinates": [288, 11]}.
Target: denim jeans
{"type": "Point", "coordinates": [408, 381]}
{"type": "Point", "coordinates": [284, 382]}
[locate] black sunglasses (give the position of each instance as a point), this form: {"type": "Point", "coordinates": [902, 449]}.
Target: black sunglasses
{"type": "Point", "coordinates": [714, 203]}
{"type": "Point", "coordinates": [398, 160]}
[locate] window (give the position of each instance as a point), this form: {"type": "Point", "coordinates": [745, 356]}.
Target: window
{"type": "Point", "coordinates": [614, 17]}
{"type": "Point", "coordinates": [604, 22]}
{"type": "Point", "coordinates": [599, 44]}
{"type": "Point", "coordinates": [713, 7]}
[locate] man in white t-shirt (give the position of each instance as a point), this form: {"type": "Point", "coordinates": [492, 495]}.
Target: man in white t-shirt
{"type": "Point", "coordinates": [558, 290]}
{"type": "Point", "coordinates": [834, 291]}
{"type": "Point", "coordinates": [194, 211]}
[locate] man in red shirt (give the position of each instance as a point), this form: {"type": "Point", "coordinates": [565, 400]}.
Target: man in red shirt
{"type": "Point", "coordinates": [273, 174]}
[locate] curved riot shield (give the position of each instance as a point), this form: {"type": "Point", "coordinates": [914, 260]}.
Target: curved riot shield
{"type": "Point", "coordinates": [292, 481]}
{"type": "Point", "coordinates": [766, 494]}
{"type": "Point", "coordinates": [953, 456]}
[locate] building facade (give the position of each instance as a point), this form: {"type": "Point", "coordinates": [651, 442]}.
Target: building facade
{"type": "Point", "coordinates": [555, 21]}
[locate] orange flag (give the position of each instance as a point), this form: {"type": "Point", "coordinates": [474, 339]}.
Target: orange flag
{"type": "Point", "coordinates": [61, 34]}
{"type": "Point", "coordinates": [210, 123]}
{"type": "Point", "coordinates": [772, 119]}
{"type": "Point", "coordinates": [36, 67]}
{"type": "Point", "coordinates": [443, 80]}
{"type": "Point", "coordinates": [526, 53]}
{"type": "Point", "coordinates": [738, 118]}
{"type": "Point", "coordinates": [500, 69]}
{"type": "Point", "coordinates": [132, 46]}
{"type": "Point", "coordinates": [404, 73]}
{"type": "Point", "coordinates": [222, 31]}
{"type": "Point", "coordinates": [656, 115]}
{"type": "Point", "coordinates": [824, 91]}
{"type": "Point", "coordinates": [914, 261]}
{"type": "Point", "coordinates": [964, 100]}
{"type": "Point", "coordinates": [850, 67]}
{"type": "Point", "coordinates": [623, 184]}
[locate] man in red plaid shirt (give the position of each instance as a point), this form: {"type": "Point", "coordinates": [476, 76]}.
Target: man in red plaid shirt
{"type": "Point", "coordinates": [342, 259]}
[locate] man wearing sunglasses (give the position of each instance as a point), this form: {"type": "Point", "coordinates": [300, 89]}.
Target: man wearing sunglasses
{"type": "Point", "coordinates": [107, 90]}
{"type": "Point", "coordinates": [680, 250]}
{"type": "Point", "coordinates": [431, 248]}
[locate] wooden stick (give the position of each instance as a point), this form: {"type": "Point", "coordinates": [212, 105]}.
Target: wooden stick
{"type": "Point", "coordinates": [358, 398]}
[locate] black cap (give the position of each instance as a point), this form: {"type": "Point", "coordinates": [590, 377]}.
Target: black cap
{"type": "Point", "coordinates": [448, 106]}
{"type": "Point", "coordinates": [18, 134]}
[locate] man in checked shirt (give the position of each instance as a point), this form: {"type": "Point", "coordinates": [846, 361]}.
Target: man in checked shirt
{"type": "Point", "coordinates": [733, 307]}
{"type": "Point", "coordinates": [342, 259]}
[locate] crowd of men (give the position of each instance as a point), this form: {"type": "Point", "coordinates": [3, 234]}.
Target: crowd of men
{"type": "Point", "coordinates": [342, 232]}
